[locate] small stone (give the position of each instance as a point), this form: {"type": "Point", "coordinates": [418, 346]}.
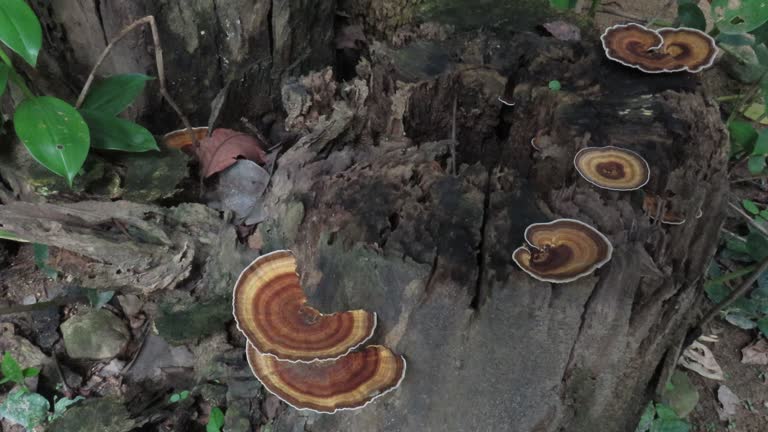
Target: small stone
{"type": "Point", "coordinates": [130, 303]}
{"type": "Point", "coordinates": [95, 415]}
{"type": "Point", "coordinates": [98, 334]}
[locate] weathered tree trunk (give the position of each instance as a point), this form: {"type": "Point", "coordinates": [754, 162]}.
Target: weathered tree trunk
{"type": "Point", "coordinates": [367, 201]}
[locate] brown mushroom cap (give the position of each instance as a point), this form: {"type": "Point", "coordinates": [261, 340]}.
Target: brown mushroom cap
{"type": "Point", "coordinates": [271, 310]}
{"type": "Point", "coordinates": [670, 217]}
{"type": "Point", "coordinates": [612, 168]}
{"type": "Point", "coordinates": [562, 250]}
{"type": "Point", "coordinates": [180, 138]}
{"type": "Point", "coordinates": [663, 50]}
{"type": "Point", "coordinates": [347, 383]}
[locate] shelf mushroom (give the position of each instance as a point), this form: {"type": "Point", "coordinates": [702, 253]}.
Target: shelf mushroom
{"type": "Point", "coordinates": [271, 310]}
{"type": "Point", "coordinates": [612, 168]}
{"type": "Point", "coordinates": [562, 250]}
{"type": "Point", "coordinates": [348, 383]}
{"type": "Point", "coordinates": [658, 51]}
{"type": "Point", "coordinates": [179, 139]}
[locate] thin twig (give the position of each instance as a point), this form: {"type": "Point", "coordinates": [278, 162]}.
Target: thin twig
{"type": "Point", "coordinates": [144, 334]}
{"type": "Point", "coordinates": [251, 127]}
{"type": "Point", "coordinates": [749, 219]}
{"type": "Point", "coordinates": [149, 19]}
{"type": "Point", "coordinates": [751, 178]}
{"type": "Point", "coordinates": [453, 137]}
{"type": "Point", "coordinates": [67, 389]}
{"type": "Point", "coordinates": [735, 295]}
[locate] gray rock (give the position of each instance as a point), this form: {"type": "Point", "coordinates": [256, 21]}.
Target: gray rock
{"type": "Point", "coordinates": [94, 415]}
{"type": "Point", "coordinates": [97, 334]}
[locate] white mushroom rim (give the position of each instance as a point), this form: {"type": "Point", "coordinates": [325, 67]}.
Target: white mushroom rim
{"type": "Point", "coordinates": [529, 246]}
{"type": "Point", "coordinates": [400, 381]}
{"type": "Point", "coordinates": [709, 38]}
{"type": "Point", "coordinates": [315, 360]}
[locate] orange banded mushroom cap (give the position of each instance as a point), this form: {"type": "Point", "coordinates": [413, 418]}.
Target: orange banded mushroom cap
{"type": "Point", "coordinates": [271, 310]}
{"type": "Point", "coordinates": [179, 139]}
{"type": "Point", "coordinates": [657, 51]}
{"type": "Point", "coordinates": [612, 168]}
{"type": "Point", "coordinates": [562, 250]}
{"type": "Point", "coordinates": [347, 383]}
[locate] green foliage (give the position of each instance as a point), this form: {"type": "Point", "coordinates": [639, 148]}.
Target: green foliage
{"type": "Point", "coordinates": [743, 137]}
{"type": "Point", "coordinates": [112, 133]}
{"type": "Point", "coordinates": [12, 372]}
{"type": "Point", "coordinates": [563, 4]}
{"type": "Point", "coordinates": [41, 260]}
{"type": "Point", "coordinates": [555, 85]}
{"type": "Point", "coordinates": [60, 406]}
{"type": "Point", "coordinates": [661, 418]}
{"type": "Point", "coordinates": [113, 95]}
{"type": "Point", "coordinates": [25, 408]}
{"type": "Point", "coordinates": [750, 206]}
{"type": "Point", "coordinates": [98, 298]}
{"type": "Point", "coordinates": [215, 420]}
{"type": "Point", "coordinates": [689, 15]}
{"type": "Point", "coordinates": [681, 395]}
{"type": "Point", "coordinates": [739, 16]}
{"type": "Point", "coordinates": [54, 133]}
{"type": "Point", "coordinates": [177, 397]}
{"type": "Point", "coordinates": [20, 30]}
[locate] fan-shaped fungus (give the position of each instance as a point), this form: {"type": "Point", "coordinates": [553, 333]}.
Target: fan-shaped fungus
{"type": "Point", "coordinates": [348, 383]}
{"type": "Point", "coordinates": [271, 310]}
{"type": "Point", "coordinates": [179, 139]}
{"type": "Point", "coordinates": [562, 250]}
{"type": "Point", "coordinates": [612, 168]}
{"type": "Point", "coordinates": [663, 50]}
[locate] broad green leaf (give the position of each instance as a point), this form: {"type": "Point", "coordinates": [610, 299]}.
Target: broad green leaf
{"type": "Point", "coordinates": [690, 15]}
{"type": "Point", "coordinates": [761, 33]}
{"type": "Point", "coordinates": [646, 420]}
{"type": "Point", "coordinates": [682, 397]}
{"type": "Point", "coordinates": [562, 4]}
{"type": "Point", "coordinates": [20, 30]}
{"type": "Point", "coordinates": [743, 136]}
{"type": "Point", "coordinates": [215, 420]}
{"type": "Point", "coordinates": [11, 369]}
{"type": "Point", "coordinates": [761, 145]}
{"type": "Point", "coordinates": [54, 133]}
{"type": "Point", "coordinates": [98, 298]}
{"type": "Point", "coordinates": [555, 85]}
{"type": "Point", "coordinates": [756, 164]}
{"type": "Point", "coordinates": [174, 398]}
{"type": "Point", "coordinates": [112, 133]}
{"type": "Point", "coordinates": [734, 39]}
{"type": "Point", "coordinates": [4, 70]}
{"type": "Point", "coordinates": [41, 260]}
{"type": "Point", "coordinates": [7, 235]}
{"type": "Point", "coordinates": [755, 112]}
{"type": "Point", "coordinates": [114, 94]}
{"type": "Point", "coordinates": [750, 206]}
{"type": "Point", "coordinates": [665, 412]}
{"type": "Point", "coordinates": [670, 425]}
{"type": "Point", "coordinates": [739, 16]}
{"type": "Point", "coordinates": [757, 245]}
{"type": "Point", "coordinates": [25, 408]}
{"type": "Point", "coordinates": [31, 372]}
{"type": "Point", "coordinates": [184, 394]}
{"type": "Point", "coordinates": [60, 406]}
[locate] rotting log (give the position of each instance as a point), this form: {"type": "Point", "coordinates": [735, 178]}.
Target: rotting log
{"type": "Point", "coordinates": [366, 201]}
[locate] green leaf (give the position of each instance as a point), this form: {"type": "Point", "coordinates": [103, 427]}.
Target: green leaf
{"type": "Point", "coordinates": [682, 397]}
{"type": "Point", "coordinates": [763, 326]}
{"type": "Point", "coordinates": [756, 164]}
{"type": "Point", "coordinates": [20, 30]}
{"type": "Point", "coordinates": [690, 15]}
{"type": "Point", "coordinates": [60, 406]}
{"type": "Point", "coordinates": [41, 260]}
{"type": "Point", "coordinates": [184, 394]}
{"type": "Point", "coordinates": [11, 369]}
{"type": "Point", "coordinates": [761, 145]}
{"type": "Point", "coordinates": [25, 408]}
{"type": "Point", "coordinates": [735, 39]}
{"type": "Point", "coordinates": [174, 398]}
{"type": "Point", "coordinates": [31, 372]}
{"type": "Point", "coordinates": [665, 412]}
{"type": "Point", "coordinates": [215, 420]}
{"type": "Point", "coordinates": [761, 33]}
{"type": "Point", "coordinates": [555, 85]}
{"type": "Point", "coordinates": [563, 4]}
{"type": "Point", "coordinates": [646, 420]}
{"type": "Point", "coordinates": [112, 95]}
{"type": "Point", "coordinates": [750, 206]}
{"type": "Point", "coordinates": [739, 16]}
{"type": "Point", "coordinates": [743, 136]}
{"type": "Point", "coordinates": [7, 235]}
{"type": "Point", "coordinates": [112, 133]}
{"type": "Point", "coordinates": [54, 133]}
{"type": "Point", "coordinates": [98, 298]}
{"type": "Point", "coordinates": [670, 425]}
{"type": "Point", "coordinates": [757, 246]}
{"type": "Point", "coordinates": [4, 70]}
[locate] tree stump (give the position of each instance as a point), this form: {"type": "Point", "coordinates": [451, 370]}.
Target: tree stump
{"type": "Point", "coordinates": [369, 202]}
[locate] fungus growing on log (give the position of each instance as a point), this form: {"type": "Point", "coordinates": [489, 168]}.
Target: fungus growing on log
{"type": "Point", "coordinates": [612, 168]}
{"type": "Point", "coordinates": [657, 51]}
{"type": "Point", "coordinates": [179, 139]}
{"type": "Point", "coordinates": [562, 250]}
{"type": "Point", "coordinates": [669, 216]}
{"type": "Point", "coordinates": [271, 310]}
{"type": "Point", "coordinates": [347, 383]}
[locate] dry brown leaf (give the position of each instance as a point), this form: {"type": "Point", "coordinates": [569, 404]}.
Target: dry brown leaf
{"type": "Point", "coordinates": [222, 149]}
{"type": "Point", "coordinates": [729, 400]}
{"type": "Point", "coordinates": [756, 353]}
{"type": "Point", "coordinates": [700, 359]}
{"type": "Point", "coordinates": [563, 30]}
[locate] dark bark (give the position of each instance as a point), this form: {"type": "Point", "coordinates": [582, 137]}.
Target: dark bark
{"type": "Point", "coordinates": [366, 202]}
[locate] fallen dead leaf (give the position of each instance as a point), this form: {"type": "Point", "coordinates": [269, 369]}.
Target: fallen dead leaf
{"type": "Point", "coordinates": [563, 30]}
{"type": "Point", "coordinates": [756, 353]}
{"type": "Point", "coordinates": [729, 401]}
{"type": "Point", "coordinates": [700, 359]}
{"type": "Point", "coordinates": [240, 191]}
{"type": "Point", "coordinates": [222, 149]}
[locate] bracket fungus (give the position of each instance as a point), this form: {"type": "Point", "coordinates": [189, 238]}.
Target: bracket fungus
{"type": "Point", "coordinates": [347, 383]}
{"type": "Point", "coordinates": [271, 310]}
{"type": "Point", "coordinates": [179, 139]}
{"type": "Point", "coordinates": [612, 168]}
{"type": "Point", "coordinates": [562, 250]}
{"type": "Point", "coordinates": [658, 51]}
